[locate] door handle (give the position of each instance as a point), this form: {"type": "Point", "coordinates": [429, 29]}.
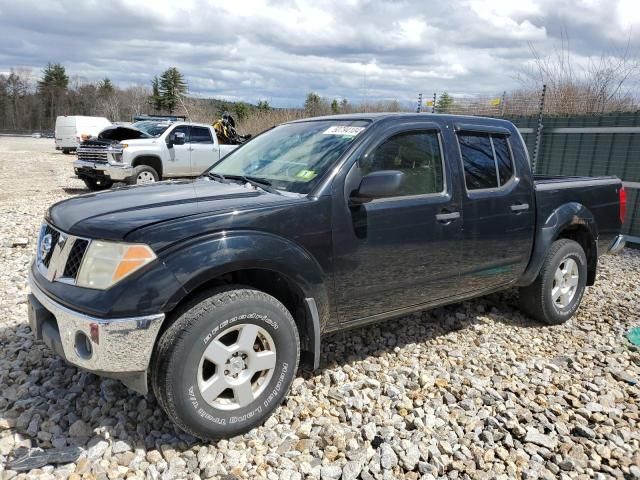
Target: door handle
{"type": "Point", "coordinates": [447, 217]}
{"type": "Point", "coordinates": [519, 207]}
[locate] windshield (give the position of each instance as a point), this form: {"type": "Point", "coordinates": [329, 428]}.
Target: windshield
{"type": "Point", "coordinates": [294, 156]}
{"type": "Point", "coordinates": [155, 129]}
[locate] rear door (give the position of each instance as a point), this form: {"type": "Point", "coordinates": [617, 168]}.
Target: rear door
{"type": "Point", "coordinates": [399, 252]}
{"type": "Point", "coordinates": [179, 162]}
{"type": "Point", "coordinates": [204, 150]}
{"type": "Point", "coordinates": [497, 209]}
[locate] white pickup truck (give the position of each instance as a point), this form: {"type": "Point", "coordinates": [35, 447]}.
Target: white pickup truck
{"type": "Point", "coordinates": [146, 152]}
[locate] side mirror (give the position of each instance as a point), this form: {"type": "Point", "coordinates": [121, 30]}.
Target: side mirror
{"type": "Point", "coordinates": [176, 138]}
{"type": "Point", "coordinates": [384, 183]}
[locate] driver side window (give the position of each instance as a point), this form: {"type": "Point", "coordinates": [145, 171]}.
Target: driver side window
{"type": "Point", "coordinates": [417, 154]}
{"type": "Point", "coordinates": [182, 129]}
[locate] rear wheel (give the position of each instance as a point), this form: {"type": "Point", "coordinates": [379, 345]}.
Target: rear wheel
{"type": "Point", "coordinates": [96, 185]}
{"type": "Point", "coordinates": [145, 174]}
{"type": "Point", "coordinates": [66, 151]}
{"type": "Point", "coordinates": [226, 363]}
{"type": "Point", "coordinates": [556, 293]}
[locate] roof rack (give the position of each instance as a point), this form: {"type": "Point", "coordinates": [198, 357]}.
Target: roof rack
{"type": "Point", "coordinates": [171, 118]}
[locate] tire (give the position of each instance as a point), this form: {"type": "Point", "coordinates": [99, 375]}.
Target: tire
{"type": "Point", "coordinates": [547, 301]}
{"type": "Point", "coordinates": [95, 185]}
{"type": "Point", "coordinates": [145, 174]}
{"type": "Point", "coordinates": [239, 396]}
{"type": "Point", "coordinates": [66, 151]}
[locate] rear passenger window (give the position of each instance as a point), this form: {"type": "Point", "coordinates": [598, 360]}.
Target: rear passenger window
{"type": "Point", "coordinates": [479, 164]}
{"type": "Point", "coordinates": [416, 154]}
{"type": "Point", "coordinates": [201, 135]}
{"type": "Point", "coordinates": [486, 159]}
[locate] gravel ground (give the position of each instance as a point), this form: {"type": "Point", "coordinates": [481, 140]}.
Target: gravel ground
{"type": "Point", "coordinates": [474, 390]}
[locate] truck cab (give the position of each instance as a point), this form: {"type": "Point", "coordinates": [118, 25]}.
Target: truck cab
{"type": "Point", "coordinates": [148, 151]}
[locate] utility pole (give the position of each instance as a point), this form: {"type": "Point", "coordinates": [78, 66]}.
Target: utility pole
{"type": "Point", "coordinates": [419, 106]}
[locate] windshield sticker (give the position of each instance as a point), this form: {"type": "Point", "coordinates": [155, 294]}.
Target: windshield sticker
{"type": "Point", "coordinates": [306, 174]}
{"type": "Point", "coordinates": [342, 130]}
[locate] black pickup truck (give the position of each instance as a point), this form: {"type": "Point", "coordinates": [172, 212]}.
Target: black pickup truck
{"type": "Point", "coordinates": [213, 291]}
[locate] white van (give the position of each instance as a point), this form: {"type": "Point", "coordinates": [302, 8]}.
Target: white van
{"type": "Point", "coordinates": [70, 129]}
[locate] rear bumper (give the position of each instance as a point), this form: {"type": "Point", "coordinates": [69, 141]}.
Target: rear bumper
{"type": "Point", "coordinates": [118, 347]}
{"type": "Point", "coordinates": [617, 244]}
{"type": "Point", "coordinates": [117, 173]}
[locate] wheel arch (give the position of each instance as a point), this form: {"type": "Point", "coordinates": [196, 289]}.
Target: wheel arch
{"type": "Point", "coordinates": [152, 161]}
{"type": "Point", "coordinates": [572, 221]}
{"type": "Point", "coordinates": [274, 265]}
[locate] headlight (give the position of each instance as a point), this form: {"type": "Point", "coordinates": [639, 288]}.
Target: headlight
{"type": "Point", "coordinates": [106, 263]}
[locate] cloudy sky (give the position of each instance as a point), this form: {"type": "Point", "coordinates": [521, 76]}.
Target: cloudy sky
{"type": "Point", "coordinates": [280, 50]}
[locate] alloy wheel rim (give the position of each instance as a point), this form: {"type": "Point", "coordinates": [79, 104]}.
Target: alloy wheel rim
{"type": "Point", "coordinates": [145, 177]}
{"type": "Point", "coordinates": [236, 367]}
{"type": "Point", "coordinates": [565, 283]}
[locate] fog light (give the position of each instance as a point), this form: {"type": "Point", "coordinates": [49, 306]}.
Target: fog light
{"type": "Point", "coordinates": [83, 346]}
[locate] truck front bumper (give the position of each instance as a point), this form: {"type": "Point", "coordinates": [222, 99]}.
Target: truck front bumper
{"type": "Point", "coordinates": [117, 173]}
{"type": "Point", "coordinates": [116, 347]}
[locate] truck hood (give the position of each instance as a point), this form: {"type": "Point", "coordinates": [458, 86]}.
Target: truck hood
{"type": "Point", "coordinates": [112, 214]}
{"type": "Point", "coordinates": [119, 132]}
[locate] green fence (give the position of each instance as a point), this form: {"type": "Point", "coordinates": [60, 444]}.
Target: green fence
{"type": "Point", "coordinates": [607, 144]}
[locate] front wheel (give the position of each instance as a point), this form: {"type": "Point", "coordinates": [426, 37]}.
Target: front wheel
{"type": "Point", "coordinates": [226, 363]}
{"type": "Point", "coordinates": [145, 174]}
{"type": "Point", "coordinates": [556, 293]}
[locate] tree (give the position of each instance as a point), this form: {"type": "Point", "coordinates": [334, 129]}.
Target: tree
{"type": "Point", "coordinates": [335, 108]}
{"type": "Point", "coordinates": [313, 104]}
{"type": "Point", "coordinates": [241, 110]}
{"type": "Point", "coordinates": [444, 103]}
{"type": "Point", "coordinates": [155, 99]}
{"type": "Point", "coordinates": [171, 87]}
{"type": "Point", "coordinates": [344, 105]}
{"type": "Point", "coordinates": [52, 88]}
{"type": "Point", "coordinates": [105, 87]}
{"type": "Point", "coordinates": [263, 106]}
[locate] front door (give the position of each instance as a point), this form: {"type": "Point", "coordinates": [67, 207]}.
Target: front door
{"type": "Point", "coordinates": [400, 252]}
{"type": "Point", "coordinates": [204, 151]}
{"type": "Point", "coordinates": [179, 162]}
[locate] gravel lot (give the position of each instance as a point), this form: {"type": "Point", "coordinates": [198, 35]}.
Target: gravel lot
{"type": "Point", "coordinates": [474, 390]}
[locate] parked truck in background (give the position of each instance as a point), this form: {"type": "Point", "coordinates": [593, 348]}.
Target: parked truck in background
{"type": "Point", "coordinates": [214, 290]}
{"type": "Point", "coordinates": [70, 130]}
{"type": "Point", "coordinates": [148, 151]}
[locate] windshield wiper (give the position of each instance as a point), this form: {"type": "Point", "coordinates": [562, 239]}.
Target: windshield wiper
{"type": "Point", "coordinates": [217, 176]}
{"type": "Point", "coordinates": [257, 182]}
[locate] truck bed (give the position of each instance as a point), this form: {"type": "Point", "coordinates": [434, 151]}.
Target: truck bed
{"type": "Point", "coordinates": [599, 195]}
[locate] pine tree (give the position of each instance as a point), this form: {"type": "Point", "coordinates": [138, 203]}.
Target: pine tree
{"type": "Point", "coordinates": [155, 100]}
{"type": "Point", "coordinates": [444, 103]}
{"type": "Point", "coordinates": [52, 87]}
{"type": "Point", "coordinates": [172, 86]}
{"type": "Point", "coordinates": [313, 104]}
{"type": "Point", "coordinates": [263, 106]}
{"type": "Point", "coordinates": [335, 108]}
{"type": "Point", "coordinates": [105, 87]}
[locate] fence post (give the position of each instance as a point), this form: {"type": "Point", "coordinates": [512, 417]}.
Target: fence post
{"type": "Point", "coordinates": [536, 148]}
{"type": "Point", "coordinates": [419, 107]}
{"type": "Point", "coordinates": [433, 106]}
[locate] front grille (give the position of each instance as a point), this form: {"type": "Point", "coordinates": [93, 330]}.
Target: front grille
{"type": "Point", "coordinates": [92, 154]}
{"type": "Point", "coordinates": [60, 255]}
{"type": "Point", "coordinates": [55, 235]}
{"type": "Point", "coordinates": [75, 258]}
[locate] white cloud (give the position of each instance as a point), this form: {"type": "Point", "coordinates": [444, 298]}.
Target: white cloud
{"type": "Point", "coordinates": [280, 50]}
